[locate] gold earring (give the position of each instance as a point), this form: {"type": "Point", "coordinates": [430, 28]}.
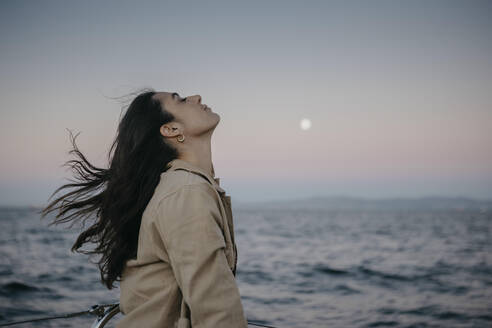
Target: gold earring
{"type": "Point", "coordinates": [182, 139]}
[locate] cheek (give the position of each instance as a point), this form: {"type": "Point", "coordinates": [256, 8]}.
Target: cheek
{"type": "Point", "coordinates": [193, 121]}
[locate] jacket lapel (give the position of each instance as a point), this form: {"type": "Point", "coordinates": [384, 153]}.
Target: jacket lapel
{"type": "Point", "coordinates": [225, 203]}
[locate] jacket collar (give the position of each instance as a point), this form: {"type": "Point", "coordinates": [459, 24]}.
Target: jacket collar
{"type": "Point", "coordinates": [182, 164]}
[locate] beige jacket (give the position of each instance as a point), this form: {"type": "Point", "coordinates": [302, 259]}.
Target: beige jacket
{"type": "Point", "coordinates": [186, 249]}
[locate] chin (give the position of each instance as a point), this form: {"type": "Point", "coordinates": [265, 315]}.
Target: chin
{"type": "Point", "coordinates": [218, 117]}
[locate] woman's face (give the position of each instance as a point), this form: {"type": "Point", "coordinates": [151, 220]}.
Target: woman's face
{"type": "Point", "coordinates": [192, 119]}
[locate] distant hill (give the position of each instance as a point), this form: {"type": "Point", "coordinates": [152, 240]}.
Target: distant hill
{"type": "Point", "coordinates": [350, 202]}
{"type": "Point", "coordinates": [347, 202]}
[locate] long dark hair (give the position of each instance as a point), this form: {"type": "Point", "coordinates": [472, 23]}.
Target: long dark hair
{"type": "Point", "coordinates": [116, 197]}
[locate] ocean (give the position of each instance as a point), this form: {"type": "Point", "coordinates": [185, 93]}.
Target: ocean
{"type": "Point", "coordinates": [311, 266]}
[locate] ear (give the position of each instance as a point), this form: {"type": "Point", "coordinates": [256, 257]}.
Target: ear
{"type": "Point", "coordinates": [170, 130]}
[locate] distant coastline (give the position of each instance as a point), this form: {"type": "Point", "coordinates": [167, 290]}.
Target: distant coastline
{"type": "Point", "coordinates": [365, 203]}
{"type": "Point", "coordinates": [350, 202]}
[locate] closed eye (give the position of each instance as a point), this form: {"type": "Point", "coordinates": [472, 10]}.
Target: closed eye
{"type": "Point", "coordinates": [175, 94]}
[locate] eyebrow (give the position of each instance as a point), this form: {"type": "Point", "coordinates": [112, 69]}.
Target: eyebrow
{"type": "Point", "coordinates": [175, 94]}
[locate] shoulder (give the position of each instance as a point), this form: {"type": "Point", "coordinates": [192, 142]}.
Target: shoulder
{"type": "Point", "coordinates": [172, 181]}
{"type": "Point", "coordinates": [184, 191]}
{"type": "Point", "coordinates": [191, 197]}
{"type": "Point", "coordinates": [193, 203]}
{"type": "Point", "coordinates": [173, 184]}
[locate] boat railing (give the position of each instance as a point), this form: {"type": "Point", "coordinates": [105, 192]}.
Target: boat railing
{"type": "Point", "coordinates": [104, 313]}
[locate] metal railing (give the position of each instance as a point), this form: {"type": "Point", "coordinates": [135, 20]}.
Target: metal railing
{"type": "Point", "coordinates": [103, 316]}
{"type": "Point", "coordinates": [104, 313]}
{"type": "Point", "coordinates": [99, 310]}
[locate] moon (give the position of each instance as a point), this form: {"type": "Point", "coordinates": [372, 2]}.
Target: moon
{"type": "Point", "coordinates": [305, 124]}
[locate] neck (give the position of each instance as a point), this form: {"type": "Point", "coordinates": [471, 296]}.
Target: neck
{"type": "Point", "coordinates": [199, 153]}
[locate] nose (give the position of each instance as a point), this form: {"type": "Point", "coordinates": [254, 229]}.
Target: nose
{"type": "Point", "coordinates": [198, 98]}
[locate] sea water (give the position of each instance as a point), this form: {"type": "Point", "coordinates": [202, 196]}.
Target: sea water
{"type": "Point", "coordinates": [296, 268]}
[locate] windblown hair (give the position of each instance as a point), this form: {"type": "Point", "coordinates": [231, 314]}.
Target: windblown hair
{"type": "Point", "coordinates": [116, 197]}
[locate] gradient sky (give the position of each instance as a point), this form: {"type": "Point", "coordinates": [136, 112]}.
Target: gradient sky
{"type": "Point", "coordinates": [398, 92]}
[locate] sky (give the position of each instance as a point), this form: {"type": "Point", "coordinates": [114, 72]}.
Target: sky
{"type": "Point", "coordinates": [398, 92]}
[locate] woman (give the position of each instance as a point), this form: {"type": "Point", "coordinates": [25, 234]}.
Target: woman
{"type": "Point", "coordinates": [162, 222]}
